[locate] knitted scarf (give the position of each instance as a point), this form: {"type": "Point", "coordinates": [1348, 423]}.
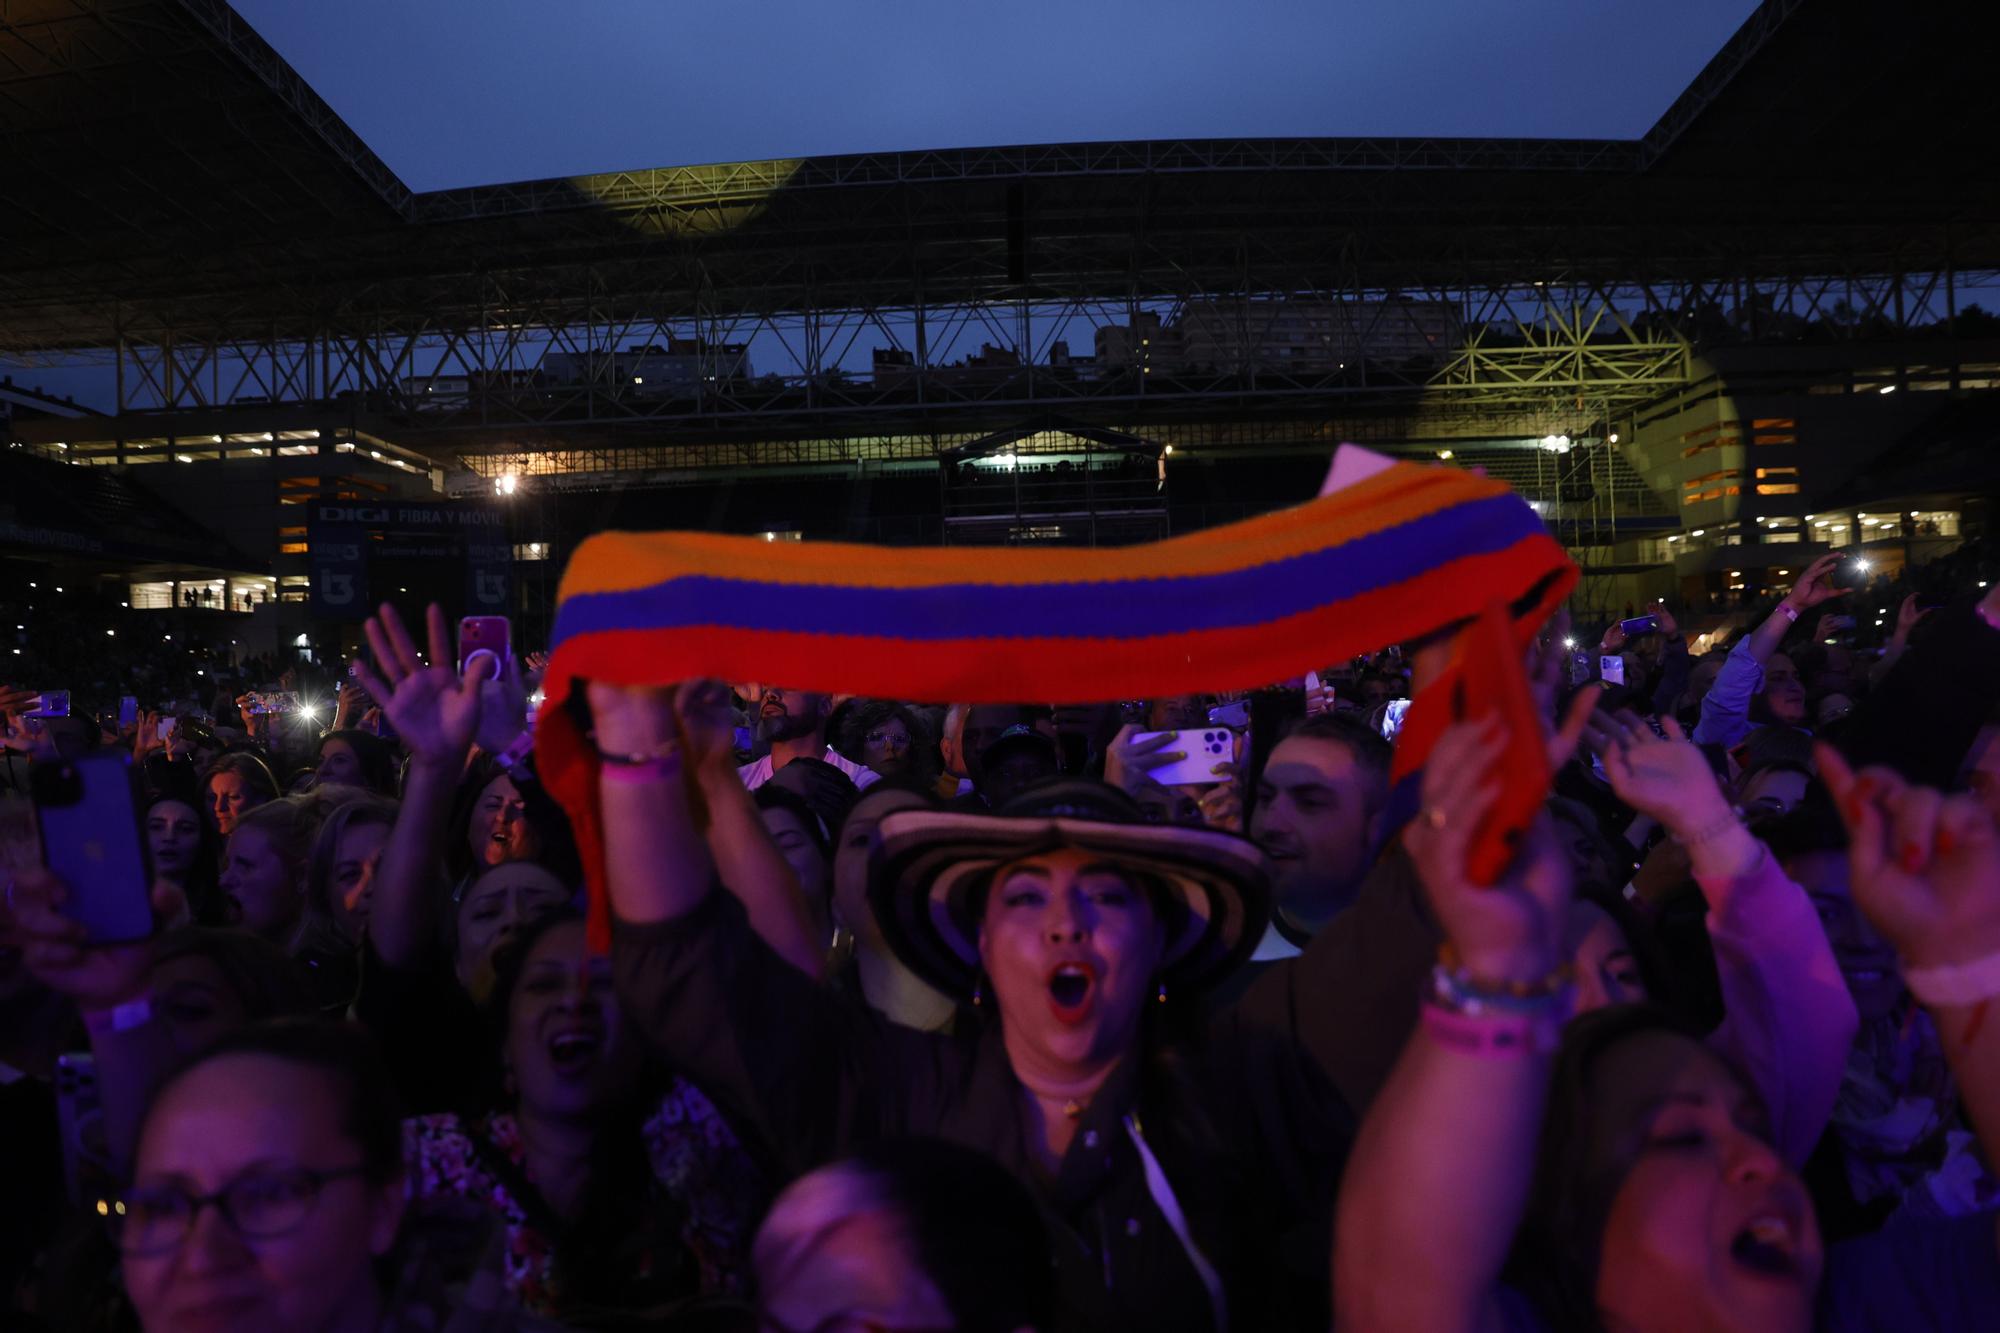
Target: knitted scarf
{"type": "Point", "coordinates": [1400, 552]}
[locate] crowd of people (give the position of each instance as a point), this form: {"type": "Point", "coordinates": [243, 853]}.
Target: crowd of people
{"type": "Point", "coordinates": [921, 1015]}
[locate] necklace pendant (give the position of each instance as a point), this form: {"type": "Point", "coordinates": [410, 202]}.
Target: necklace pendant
{"type": "Point", "coordinates": [1073, 1108]}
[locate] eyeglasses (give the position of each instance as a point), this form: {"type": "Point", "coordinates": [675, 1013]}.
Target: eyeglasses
{"type": "Point", "coordinates": [261, 1204]}
{"type": "Point", "coordinates": [887, 738]}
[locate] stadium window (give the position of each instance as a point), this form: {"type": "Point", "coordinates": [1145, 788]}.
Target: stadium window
{"type": "Point", "coordinates": [1778, 488]}
{"type": "Point", "coordinates": [1764, 472]}
{"type": "Point", "coordinates": [293, 548]}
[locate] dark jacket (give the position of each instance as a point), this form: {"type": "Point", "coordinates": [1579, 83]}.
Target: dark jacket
{"type": "Point", "coordinates": [1249, 1138]}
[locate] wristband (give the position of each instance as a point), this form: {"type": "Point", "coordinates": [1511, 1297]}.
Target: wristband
{"type": "Point", "coordinates": [667, 749]}
{"type": "Point", "coordinates": [1955, 983]}
{"type": "Point", "coordinates": [631, 771]}
{"type": "Point", "coordinates": [1791, 612]}
{"type": "Point", "coordinates": [1494, 1036]}
{"type": "Point", "coordinates": [119, 1018]}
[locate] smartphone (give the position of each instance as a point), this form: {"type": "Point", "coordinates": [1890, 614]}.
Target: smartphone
{"type": "Point", "coordinates": [88, 1172]}
{"type": "Point", "coordinates": [1235, 716]}
{"type": "Point", "coordinates": [53, 703]}
{"type": "Point", "coordinates": [168, 726]}
{"type": "Point", "coordinates": [484, 634]}
{"type": "Point", "coordinates": [1493, 684]}
{"type": "Point", "coordinates": [128, 711]}
{"type": "Point", "coordinates": [87, 814]}
{"type": "Point", "coordinates": [1611, 669]}
{"type": "Point", "coordinates": [1639, 626]}
{"type": "Point", "coordinates": [1205, 751]}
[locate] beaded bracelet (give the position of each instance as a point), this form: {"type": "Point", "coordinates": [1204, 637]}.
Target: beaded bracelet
{"type": "Point", "coordinates": [1553, 996]}
{"type": "Point", "coordinates": [1709, 832]}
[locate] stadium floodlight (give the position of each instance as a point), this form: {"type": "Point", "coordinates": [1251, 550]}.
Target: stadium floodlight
{"type": "Point", "coordinates": [507, 483]}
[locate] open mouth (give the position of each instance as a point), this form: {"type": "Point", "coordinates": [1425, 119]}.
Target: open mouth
{"type": "Point", "coordinates": [1071, 989]}
{"type": "Point", "coordinates": [1767, 1246]}
{"type": "Point", "coordinates": [572, 1051]}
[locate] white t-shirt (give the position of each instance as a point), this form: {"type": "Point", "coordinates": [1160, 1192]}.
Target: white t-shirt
{"type": "Point", "coordinates": [757, 774]}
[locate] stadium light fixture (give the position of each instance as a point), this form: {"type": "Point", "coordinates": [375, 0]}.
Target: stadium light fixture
{"type": "Point", "coordinates": [1444, 455]}
{"type": "Point", "coordinates": [1613, 437]}
{"type": "Point", "coordinates": [507, 483]}
{"type": "Point", "coordinates": [1887, 388]}
{"type": "Point", "coordinates": [1700, 532]}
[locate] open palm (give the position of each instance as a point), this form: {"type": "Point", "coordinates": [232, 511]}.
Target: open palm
{"type": "Point", "coordinates": [433, 708]}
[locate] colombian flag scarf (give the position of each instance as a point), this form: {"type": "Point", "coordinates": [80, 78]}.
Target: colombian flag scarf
{"type": "Point", "coordinates": [1396, 554]}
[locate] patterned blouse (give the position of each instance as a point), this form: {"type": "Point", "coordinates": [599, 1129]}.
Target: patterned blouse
{"type": "Point", "coordinates": [695, 1157]}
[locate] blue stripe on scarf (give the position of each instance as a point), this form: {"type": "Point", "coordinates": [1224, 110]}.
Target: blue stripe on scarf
{"type": "Point", "coordinates": [1135, 608]}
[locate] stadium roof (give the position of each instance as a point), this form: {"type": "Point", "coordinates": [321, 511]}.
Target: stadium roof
{"type": "Point", "coordinates": [170, 177]}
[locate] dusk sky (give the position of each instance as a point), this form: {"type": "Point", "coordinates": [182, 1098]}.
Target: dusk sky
{"type": "Point", "coordinates": [467, 92]}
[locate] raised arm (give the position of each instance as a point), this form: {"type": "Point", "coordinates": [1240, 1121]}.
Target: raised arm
{"type": "Point", "coordinates": [1440, 1172]}
{"type": "Point", "coordinates": [109, 984]}
{"type": "Point", "coordinates": [657, 865]}
{"type": "Point", "coordinates": [1789, 1018]}
{"type": "Point", "coordinates": [1926, 873]}
{"type": "Point", "coordinates": [748, 861]}
{"type": "Point", "coordinates": [435, 710]}
{"type": "Point", "coordinates": [1725, 710]}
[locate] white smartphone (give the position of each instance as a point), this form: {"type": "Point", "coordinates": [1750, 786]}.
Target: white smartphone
{"type": "Point", "coordinates": [1611, 669]}
{"type": "Point", "coordinates": [1206, 750]}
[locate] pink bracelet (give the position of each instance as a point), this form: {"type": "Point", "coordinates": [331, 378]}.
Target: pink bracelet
{"type": "Point", "coordinates": [632, 775]}
{"type": "Point", "coordinates": [1494, 1036]}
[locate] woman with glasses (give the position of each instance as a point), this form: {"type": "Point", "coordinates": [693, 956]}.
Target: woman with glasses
{"type": "Point", "coordinates": [269, 1180]}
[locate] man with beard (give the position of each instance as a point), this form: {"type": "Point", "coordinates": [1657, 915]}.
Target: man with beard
{"type": "Point", "coordinates": [792, 724]}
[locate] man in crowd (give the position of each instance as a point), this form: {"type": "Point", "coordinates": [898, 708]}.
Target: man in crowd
{"type": "Point", "coordinates": [1319, 816]}
{"type": "Point", "coordinates": [793, 724]}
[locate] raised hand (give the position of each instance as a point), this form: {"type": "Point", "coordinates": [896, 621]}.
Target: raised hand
{"type": "Point", "coordinates": [1815, 585]}
{"type": "Point", "coordinates": [1222, 804]}
{"type": "Point", "coordinates": [434, 709]}
{"type": "Point", "coordinates": [1512, 930]}
{"type": "Point", "coordinates": [1665, 777]}
{"type": "Point", "coordinates": [1668, 625]}
{"type": "Point", "coordinates": [57, 951]}
{"type": "Point", "coordinates": [1925, 866]}
{"type": "Point", "coordinates": [1128, 762]}
{"type": "Point", "coordinates": [706, 715]}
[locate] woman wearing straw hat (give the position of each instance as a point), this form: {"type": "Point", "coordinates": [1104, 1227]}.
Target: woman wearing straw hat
{"type": "Point", "coordinates": [1174, 1175]}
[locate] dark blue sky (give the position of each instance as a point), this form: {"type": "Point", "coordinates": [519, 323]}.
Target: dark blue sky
{"type": "Point", "coordinates": [465, 92]}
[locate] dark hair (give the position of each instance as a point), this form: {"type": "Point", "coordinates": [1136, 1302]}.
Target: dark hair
{"type": "Point", "coordinates": [901, 786]}
{"type": "Point", "coordinates": [1363, 742]}
{"type": "Point", "coordinates": [1556, 1252]}
{"type": "Point", "coordinates": [264, 980]}
{"type": "Point", "coordinates": [372, 753]}
{"type": "Point", "coordinates": [370, 1112]}
{"type": "Point", "coordinates": [977, 1233]}
{"type": "Point", "coordinates": [1815, 826]}
{"type": "Point", "coordinates": [769, 797]}
{"type": "Point", "coordinates": [924, 759]}
{"type": "Point", "coordinates": [256, 774]}
{"type": "Point", "coordinates": [204, 895]}
{"type": "Point", "coordinates": [558, 852]}
{"type": "Point", "coordinates": [511, 959]}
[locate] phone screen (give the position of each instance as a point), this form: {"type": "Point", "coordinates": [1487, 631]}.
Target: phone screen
{"type": "Point", "coordinates": [128, 711]}
{"type": "Point", "coordinates": [87, 813]}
